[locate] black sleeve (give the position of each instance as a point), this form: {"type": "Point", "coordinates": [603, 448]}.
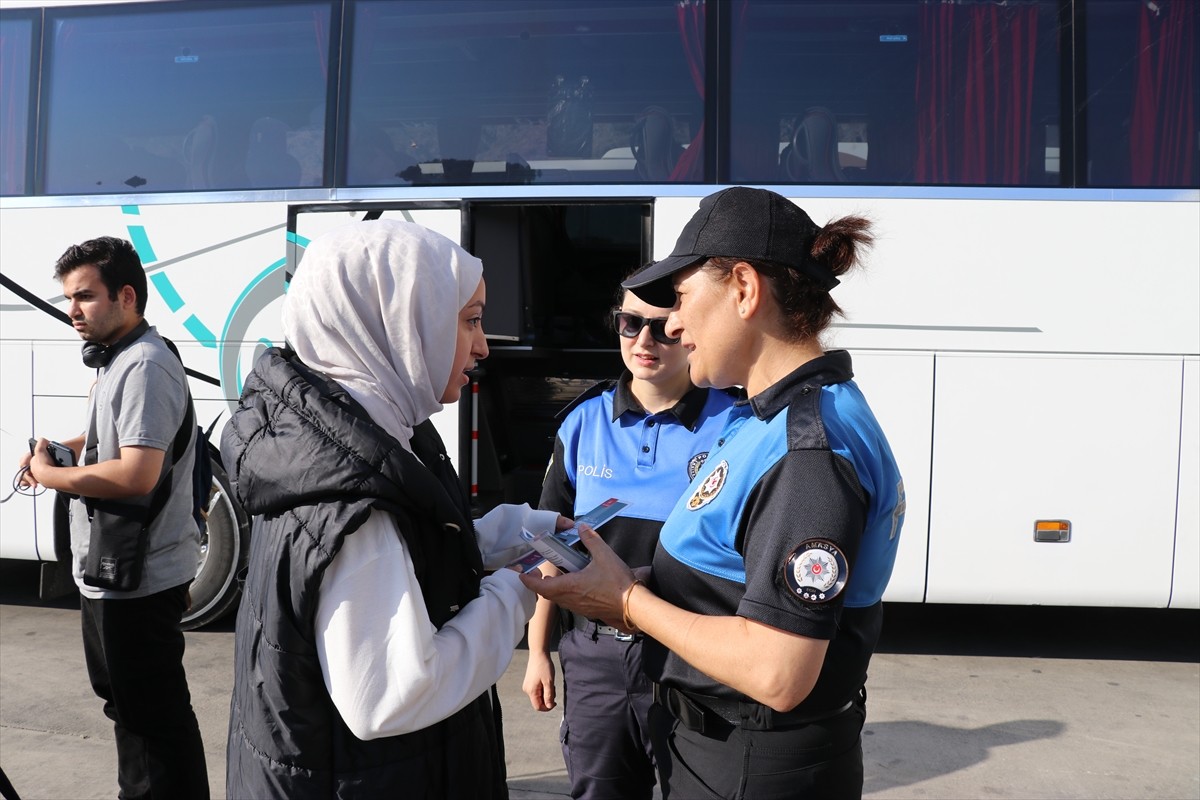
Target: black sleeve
{"type": "Point", "coordinates": [807, 496]}
{"type": "Point", "coordinates": [558, 493]}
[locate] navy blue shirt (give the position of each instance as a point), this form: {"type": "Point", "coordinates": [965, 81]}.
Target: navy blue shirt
{"type": "Point", "coordinates": [794, 522]}
{"type": "Point", "coordinates": [609, 446]}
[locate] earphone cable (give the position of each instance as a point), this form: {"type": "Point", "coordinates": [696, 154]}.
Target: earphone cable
{"type": "Point", "coordinates": [22, 489]}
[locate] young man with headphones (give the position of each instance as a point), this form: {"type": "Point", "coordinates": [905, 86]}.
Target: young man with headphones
{"type": "Point", "coordinates": [133, 597]}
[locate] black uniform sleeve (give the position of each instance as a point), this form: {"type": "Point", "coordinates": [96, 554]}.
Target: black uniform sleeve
{"type": "Point", "coordinates": [808, 495]}
{"type": "Point", "coordinates": [558, 493]}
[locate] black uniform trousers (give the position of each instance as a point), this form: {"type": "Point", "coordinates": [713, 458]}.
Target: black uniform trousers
{"type": "Point", "coordinates": [820, 759]}
{"type": "Point", "coordinates": [605, 734]}
{"type": "Point", "coordinates": [134, 654]}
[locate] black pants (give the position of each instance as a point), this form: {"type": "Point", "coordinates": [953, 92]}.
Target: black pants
{"type": "Point", "coordinates": [605, 733]}
{"type": "Point", "coordinates": [819, 760]}
{"type": "Point", "coordinates": [134, 653]}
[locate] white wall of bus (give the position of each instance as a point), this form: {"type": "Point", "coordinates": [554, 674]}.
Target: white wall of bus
{"type": "Point", "coordinates": [1029, 358]}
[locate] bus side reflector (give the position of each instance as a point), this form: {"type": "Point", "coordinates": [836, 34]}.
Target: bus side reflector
{"type": "Point", "coordinates": [1052, 530]}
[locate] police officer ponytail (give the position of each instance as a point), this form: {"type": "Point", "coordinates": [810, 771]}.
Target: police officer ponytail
{"type": "Point", "coordinates": [807, 307]}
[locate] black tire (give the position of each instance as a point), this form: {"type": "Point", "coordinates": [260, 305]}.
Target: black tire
{"type": "Point", "coordinates": [224, 547]}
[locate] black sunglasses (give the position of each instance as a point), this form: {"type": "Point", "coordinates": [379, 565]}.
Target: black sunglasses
{"type": "Point", "coordinates": [630, 326]}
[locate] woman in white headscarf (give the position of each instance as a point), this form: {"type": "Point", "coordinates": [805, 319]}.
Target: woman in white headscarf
{"type": "Point", "coordinates": [369, 633]}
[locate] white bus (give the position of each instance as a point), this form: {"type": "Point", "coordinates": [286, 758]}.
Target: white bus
{"type": "Point", "coordinates": [1027, 328]}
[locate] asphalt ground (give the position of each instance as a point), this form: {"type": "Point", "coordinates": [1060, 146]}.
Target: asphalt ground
{"type": "Point", "coordinates": [964, 702]}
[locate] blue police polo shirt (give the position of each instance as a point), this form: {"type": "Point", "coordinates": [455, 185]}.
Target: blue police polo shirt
{"type": "Point", "coordinates": [609, 446]}
{"type": "Point", "coordinates": [793, 521]}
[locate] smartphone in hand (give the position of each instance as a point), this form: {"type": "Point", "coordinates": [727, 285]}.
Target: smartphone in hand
{"type": "Point", "coordinates": [60, 454]}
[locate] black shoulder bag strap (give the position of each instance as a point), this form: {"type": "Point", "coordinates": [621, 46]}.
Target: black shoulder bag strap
{"type": "Point", "coordinates": [181, 440]}
{"type": "Point", "coordinates": [177, 451]}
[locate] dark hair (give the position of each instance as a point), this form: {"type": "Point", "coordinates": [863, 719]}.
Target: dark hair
{"type": "Point", "coordinates": [806, 307]}
{"type": "Point", "coordinates": [117, 261]}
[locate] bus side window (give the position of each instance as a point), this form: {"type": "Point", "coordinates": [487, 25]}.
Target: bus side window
{"type": "Point", "coordinates": [373, 160]}
{"type": "Point", "coordinates": [458, 143]}
{"type": "Point", "coordinates": [653, 144]}
{"type": "Point", "coordinates": [199, 147]}
{"type": "Point", "coordinates": [268, 162]}
{"type": "Point", "coordinates": [812, 156]}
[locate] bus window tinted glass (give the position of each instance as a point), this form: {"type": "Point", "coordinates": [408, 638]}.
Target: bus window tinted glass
{"type": "Point", "coordinates": [16, 36]}
{"type": "Point", "coordinates": [525, 91]}
{"type": "Point", "coordinates": [195, 97]}
{"type": "Point", "coordinates": [1143, 93]}
{"type": "Point", "coordinates": [894, 92]}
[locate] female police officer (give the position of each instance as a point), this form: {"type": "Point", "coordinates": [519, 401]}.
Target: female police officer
{"type": "Point", "coordinates": [641, 439]}
{"type": "Point", "coordinates": [763, 603]}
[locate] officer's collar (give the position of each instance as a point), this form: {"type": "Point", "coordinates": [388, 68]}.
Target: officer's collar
{"type": "Point", "coordinates": [833, 367]}
{"type": "Point", "coordinates": [686, 410]}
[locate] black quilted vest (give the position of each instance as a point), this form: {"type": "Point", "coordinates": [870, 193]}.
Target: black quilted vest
{"type": "Point", "coordinates": [308, 462]}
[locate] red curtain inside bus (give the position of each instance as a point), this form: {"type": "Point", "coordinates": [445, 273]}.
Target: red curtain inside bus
{"type": "Point", "coordinates": [974, 93]}
{"type": "Point", "coordinates": [690, 14]}
{"type": "Point", "coordinates": [1162, 131]}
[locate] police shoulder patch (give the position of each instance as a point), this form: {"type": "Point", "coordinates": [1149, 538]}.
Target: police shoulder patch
{"type": "Point", "coordinates": [816, 571]}
{"type": "Point", "coordinates": [710, 488]}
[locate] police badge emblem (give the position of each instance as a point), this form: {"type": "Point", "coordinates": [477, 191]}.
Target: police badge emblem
{"type": "Point", "coordinates": [695, 463]}
{"type": "Point", "coordinates": [816, 571]}
{"type": "Point", "coordinates": [710, 488]}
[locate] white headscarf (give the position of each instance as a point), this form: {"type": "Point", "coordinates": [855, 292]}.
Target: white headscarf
{"type": "Point", "coordinates": [374, 305]}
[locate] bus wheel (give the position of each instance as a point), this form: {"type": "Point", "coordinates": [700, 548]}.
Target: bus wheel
{"type": "Point", "coordinates": [224, 546]}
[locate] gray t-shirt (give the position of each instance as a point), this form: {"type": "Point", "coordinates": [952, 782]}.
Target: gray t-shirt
{"type": "Point", "coordinates": [140, 399]}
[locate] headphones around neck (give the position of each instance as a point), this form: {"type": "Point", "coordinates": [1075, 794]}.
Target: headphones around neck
{"type": "Point", "coordinates": [96, 355]}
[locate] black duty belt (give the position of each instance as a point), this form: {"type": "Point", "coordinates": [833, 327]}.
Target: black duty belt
{"type": "Point", "coordinates": [597, 629]}
{"type": "Point", "coordinates": [711, 715]}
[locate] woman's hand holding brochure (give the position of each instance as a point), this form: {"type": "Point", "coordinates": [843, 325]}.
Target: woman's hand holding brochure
{"type": "Point", "coordinates": [562, 548]}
